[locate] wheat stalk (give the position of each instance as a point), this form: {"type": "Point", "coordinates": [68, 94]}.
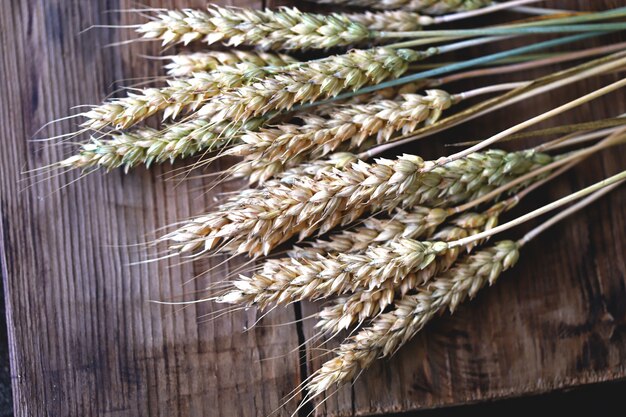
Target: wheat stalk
{"type": "Point", "coordinates": [424, 6]}
{"type": "Point", "coordinates": [259, 220]}
{"type": "Point", "coordinates": [280, 146]}
{"type": "Point", "coordinates": [388, 332]}
{"type": "Point", "coordinates": [287, 28]}
{"type": "Point", "coordinates": [184, 65]}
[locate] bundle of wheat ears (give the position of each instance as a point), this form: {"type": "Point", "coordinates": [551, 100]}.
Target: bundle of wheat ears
{"type": "Point", "coordinates": [333, 212]}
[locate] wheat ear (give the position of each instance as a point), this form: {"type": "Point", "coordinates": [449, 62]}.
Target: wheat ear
{"type": "Point", "coordinates": [367, 303]}
{"type": "Point", "coordinates": [146, 146]}
{"type": "Point", "coordinates": [184, 65]}
{"type": "Point", "coordinates": [310, 81]}
{"type": "Point", "coordinates": [287, 28]}
{"type": "Point", "coordinates": [283, 281]}
{"type": "Point", "coordinates": [259, 220]}
{"type": "Point", "coordinates": [179, 94]}
{"type": "Point", "coordinates": [424, 6]}
{"type": "Point", "coordinates": [350, 125]}
{"type": "Point", "coordinates": [414, 223]}
{"type": "Point", "coordinates": [388, 332]}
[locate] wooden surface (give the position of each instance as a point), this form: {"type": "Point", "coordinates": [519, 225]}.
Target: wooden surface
{"type": "Point", "coordinates": [85, 341]}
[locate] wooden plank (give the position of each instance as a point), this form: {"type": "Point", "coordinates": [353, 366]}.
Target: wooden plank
{"type": "Point", "coordinates": [85, 341]}
{"type": "Point", "coordinates": [84, 338]}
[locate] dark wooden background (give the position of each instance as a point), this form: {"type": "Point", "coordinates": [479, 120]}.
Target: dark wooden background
{"type": "Point", "coordinates": [85, 341]}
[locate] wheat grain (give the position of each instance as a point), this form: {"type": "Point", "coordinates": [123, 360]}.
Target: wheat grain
{"type": "Point", "coordinates": [424, 6]}
{"type": "Point", "coordinates": [288, 28]}
{"type": "Point", "coordinates": [184, 65]}
{"type": "Point", "coordinates": [388, 332]}
{"type": "Point", "coordinates": [259, 220]}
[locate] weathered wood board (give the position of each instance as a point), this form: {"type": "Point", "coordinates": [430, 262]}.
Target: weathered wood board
{"type": "Point", "coordinates": [85, 341]}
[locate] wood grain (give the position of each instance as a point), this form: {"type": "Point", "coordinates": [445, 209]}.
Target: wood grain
{"type": "Point", "coordinates": [85, 341]}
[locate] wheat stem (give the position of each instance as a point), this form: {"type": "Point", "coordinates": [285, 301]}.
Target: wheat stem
{"type": "Point", "coordinates": [537, 119]}
{"type": "Point", "coordinates": [540, 211]}
{"type": "Point", "coordinates": [563, 214]}
{"type": "Point", "coordinates": [532, 63]}
{"type": "Point", "coordinates": [491, 8]}
{"type": "Point", "coordinates": [578, 139]}
{"type": "Point", "coordinates": [491, 89]}
{"type": "Point", "coordinates": [554, 22]}
{"type": "Point", "coordinates": [611, 123]}
{"type": "Point", "coordinates": [542, 11]}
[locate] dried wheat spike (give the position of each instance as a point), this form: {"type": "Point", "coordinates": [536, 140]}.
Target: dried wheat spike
{"type": "Point", "coordinates": [311, 81]}
{"type": "Point", "coordinates": [259, 220]}
{"type": "Point", "coordinates": [424, 6]}
{"type": "Point", "coordinates": [388, 332]}
{"type": "Point", "coordinates": [318, 135]}
{"type": "Point", "coordinates": [415, 223]}
{"type": "Point", "coordinates": [182, 93]}
{"type": "Point", "coordinates": [146, 146]}
{"type": "Point", "coordinates": [283, 281]}
{"type": "Point", "coordinates": [184, 65]}
{"type": "Point", "coordinates": [287, 28]}
{"type": "Point", "coordinates": [366, 304]}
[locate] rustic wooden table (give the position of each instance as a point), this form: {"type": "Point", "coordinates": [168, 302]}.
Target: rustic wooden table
{"type": "Point", "coordinates": [85, 341]}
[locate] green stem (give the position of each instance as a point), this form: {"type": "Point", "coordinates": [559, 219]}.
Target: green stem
{"type": "Point", "coordinates": [541, 11]}
{"type": "Point", "coordinates": [457, 66]}
{"type": "Point", "coordinates": [532, 62]}
{"type": "Point", "coordinates": [605, 27]}
{"type": "Point", "coordinates": [582, 18]}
